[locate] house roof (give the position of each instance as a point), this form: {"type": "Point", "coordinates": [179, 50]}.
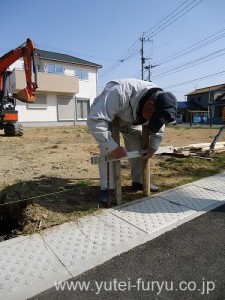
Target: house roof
{"type": "Point", "coordinates": [207, 89]}
{"type": "Point", "coordinates": [64, 58]}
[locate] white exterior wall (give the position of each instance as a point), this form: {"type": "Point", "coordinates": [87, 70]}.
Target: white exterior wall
{"type": "Point", "coordinates": [87, 90]}
{"type": "Point", "coordinates": [18, 64]}
{"type": "Point", "coordinates": [48, 114]}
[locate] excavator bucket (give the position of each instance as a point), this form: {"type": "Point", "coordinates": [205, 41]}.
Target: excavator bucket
{"type": "Point", "coordinates": [26, 96]}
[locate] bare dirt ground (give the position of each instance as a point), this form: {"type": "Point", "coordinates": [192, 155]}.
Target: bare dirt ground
{"type": "Point", "coordinates": [47, 178]}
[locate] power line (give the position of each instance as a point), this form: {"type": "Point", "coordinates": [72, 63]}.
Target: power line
{"type": "Point", "coordinates": [158, 24]}
{"type": "Point", "coordinates": [134, 49]}
{"type": "Point", "coordinates": [192, 63]}
{"type": "Point", "coordinates": [196, 46]}
{"type": "Point", "coordinates": [202, 43]}
{"type": "Point", "coordinates": [196, 79]}
{"type": "Point", "coordinates": [160, 28]}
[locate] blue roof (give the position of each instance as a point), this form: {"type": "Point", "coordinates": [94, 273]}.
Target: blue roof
{"type": "Point", "coordinates": [187, 105]}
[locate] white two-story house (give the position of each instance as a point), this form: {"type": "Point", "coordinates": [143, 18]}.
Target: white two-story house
{"type": "Point", "coordinates": [67, 86]}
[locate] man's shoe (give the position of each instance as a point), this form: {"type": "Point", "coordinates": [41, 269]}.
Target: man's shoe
{"type": "Point", "coordinates": [103, 196]}
{"type": "Point", "coordinates": [139, 187]}
{"type": "Point", "coordinates": [154, 188]}
{"type": "Point", "coordinates": [107, 197]}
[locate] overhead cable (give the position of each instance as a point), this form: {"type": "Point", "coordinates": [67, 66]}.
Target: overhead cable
{"type": "Point", "coordinates": [196, 79]}
{"type": "Point", "coordinates": [134, 49]}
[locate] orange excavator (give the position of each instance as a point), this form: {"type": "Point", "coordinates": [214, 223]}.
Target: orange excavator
{"type": "Point", "coordinates": [8, 113]}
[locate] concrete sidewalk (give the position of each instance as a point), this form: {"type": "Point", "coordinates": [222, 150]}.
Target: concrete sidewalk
{"type": "Point", "coordinates": [32, 264]}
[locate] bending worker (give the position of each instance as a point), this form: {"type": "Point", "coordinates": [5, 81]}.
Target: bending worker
{"type": "Point", "coordinates": [130, 103]}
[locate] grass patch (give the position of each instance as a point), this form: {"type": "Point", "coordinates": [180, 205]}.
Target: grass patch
{"type": "Point", "coordinates": [185, 170]}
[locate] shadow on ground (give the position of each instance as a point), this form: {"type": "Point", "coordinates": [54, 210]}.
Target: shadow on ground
{"type": "Point", "coordinates": [30, 206]}
{"type": "Point", "coordinates": [45, 198]}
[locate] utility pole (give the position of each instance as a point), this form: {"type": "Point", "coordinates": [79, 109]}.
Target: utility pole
{"type": "Point", "coordinates": [149, 67]}
{"type": "Point", "coordinates": [143, 59]}
{"type": "Point", "coordinates": [149, 72]}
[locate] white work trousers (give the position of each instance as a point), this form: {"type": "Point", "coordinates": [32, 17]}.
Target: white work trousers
{"type": "Point", "coordinates": [132, 142]}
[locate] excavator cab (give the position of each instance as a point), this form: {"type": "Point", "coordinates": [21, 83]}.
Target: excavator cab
{"type": "Point", "coordinates": [8, 112]}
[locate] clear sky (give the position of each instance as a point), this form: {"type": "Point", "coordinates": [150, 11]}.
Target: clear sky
{"type": "Point", "coordinates": [184, 39]}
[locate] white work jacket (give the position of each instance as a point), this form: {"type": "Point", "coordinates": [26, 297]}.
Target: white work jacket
{"type": "Point", "coordinates": [119, 99]}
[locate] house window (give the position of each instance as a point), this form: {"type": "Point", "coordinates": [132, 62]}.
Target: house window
{"type": "Point", "coordinates": [40, 102]}
{"type": "Point", "coordinates": [199, 99]}
{"type": "Point", "coordinates": [37, 67]}
{"type": "Point", "coordinates": [55, 69]}
{"type": "Point", "coordinates": [83, 109]}
{"type": "Point", "coordinates": [81, 74]}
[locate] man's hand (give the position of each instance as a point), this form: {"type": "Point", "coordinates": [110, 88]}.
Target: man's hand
{"type": "Point", "coordinates": [148, 153]}
{"type": "Point", "coordinates": [119, 152]}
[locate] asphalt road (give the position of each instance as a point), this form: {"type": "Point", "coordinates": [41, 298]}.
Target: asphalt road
{"type": "Point", "coordinates": [185, 263]}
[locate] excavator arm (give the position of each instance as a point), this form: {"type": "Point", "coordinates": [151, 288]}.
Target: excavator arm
{"type": "Point", "coordinates": [26, 51]}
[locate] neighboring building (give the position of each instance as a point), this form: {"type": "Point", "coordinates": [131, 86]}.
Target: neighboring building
{"type": "Point", "coordinates": [202, 99]}
{"type": "Point", "coordinates": [67, 86]}
{"type": "Point", "coordinates": [184, 108]}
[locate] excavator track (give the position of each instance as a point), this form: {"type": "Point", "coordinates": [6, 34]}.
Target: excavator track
{"type": "Point", "coordinates": [13, 129]}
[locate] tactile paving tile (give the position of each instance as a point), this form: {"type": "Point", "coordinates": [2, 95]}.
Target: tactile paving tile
{"type": "Point", "coordinates": [194, 197]}
{"type": "Point", "coordinates": [28, 267]}
{"type": "Point", "coordinates": [153, 214]}
{"type": "Point", "coordinates": [93, 240]}
{"type": "Point", "coordinates": [213, 183]}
